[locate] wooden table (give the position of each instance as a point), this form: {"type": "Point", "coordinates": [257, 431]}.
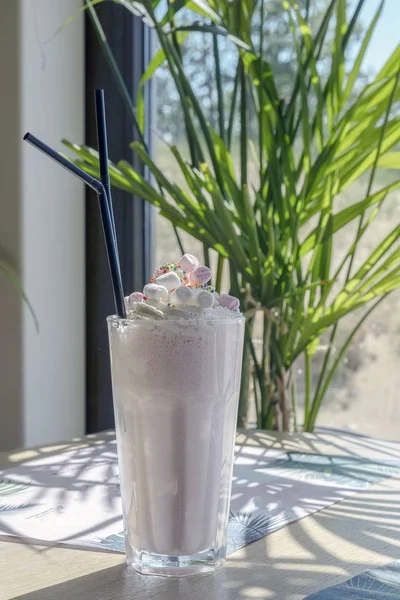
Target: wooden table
{"type": "Point", "coordinates": [320, 550]}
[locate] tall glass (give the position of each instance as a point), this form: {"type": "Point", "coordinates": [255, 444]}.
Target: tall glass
{"type": "Point", "coordinates": [175, 389]}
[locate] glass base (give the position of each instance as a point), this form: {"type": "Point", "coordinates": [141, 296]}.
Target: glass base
{"type": "Point", "coordinates": [146, 563]}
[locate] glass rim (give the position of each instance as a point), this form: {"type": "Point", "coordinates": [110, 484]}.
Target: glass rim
{"type": "Point", "coordinates": [129, 322]}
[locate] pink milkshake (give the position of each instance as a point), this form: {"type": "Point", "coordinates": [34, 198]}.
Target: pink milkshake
{"type": "Point", "coordinates": [176, 376]}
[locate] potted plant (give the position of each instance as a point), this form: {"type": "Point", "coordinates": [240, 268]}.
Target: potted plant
{"type": "Point", "coordinates": [275, 228]}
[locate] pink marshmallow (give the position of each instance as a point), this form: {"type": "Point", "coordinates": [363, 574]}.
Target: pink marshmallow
{"type": "Point", "coordinates": [135, 297]}
{"type": "Point", "coordinates": [229, 301]}
{"type": "Point", "coordinates": [200, 275]}
{"type": "Point", "coordinates": [188, 263]}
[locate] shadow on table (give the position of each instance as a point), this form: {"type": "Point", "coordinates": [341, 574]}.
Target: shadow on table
{"type": "Point", "coordinates": [299, 472]}
{"type": "Point", "coordinates": [344, 540]}
{"type": "Point", "coordinates": [326, 441]}
{"type": "Point", "coordinates": [20, 456]}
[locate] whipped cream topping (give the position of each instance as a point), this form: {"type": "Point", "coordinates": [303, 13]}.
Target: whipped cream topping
{"type": "Point", "coordinates": [181, 290]}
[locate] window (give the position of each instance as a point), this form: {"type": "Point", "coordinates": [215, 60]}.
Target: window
{"type": "Point", "coordinates": [363, 395]}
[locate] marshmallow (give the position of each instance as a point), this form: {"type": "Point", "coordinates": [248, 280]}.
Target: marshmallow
{"type": "Point", "coordinates": [229, 301]}
{"type": "Point", "coordinates": [146, 310]}
{"type": "Point", "coordinates": [204, 299]}
{"type": "Point", "coordinates": [169, 280]}
{"type": "Point", "coordinates": [155, 292]}
{"type": "Point", "coordinates": [215, 296]}
{"type": "Point", "coordinates": [182, 295]}
{"type": "Point", "coordinates": [188, 263]}
{"type": "Point", "coordinates": [200, 275]}
{"type": "Point", "coordinates": [130, 300]}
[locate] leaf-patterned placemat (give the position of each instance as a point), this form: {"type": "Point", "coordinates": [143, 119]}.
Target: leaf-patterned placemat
{"type": "Point", "coordinates": [74, 497]}
{"type": "Point", "coordinates": [377, 584]}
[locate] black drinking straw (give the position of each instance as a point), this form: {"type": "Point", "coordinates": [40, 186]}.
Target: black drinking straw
{"type": "Point", "coordinates": [103, 149]}
{"type": "Point", "coordinates": [97, 186]}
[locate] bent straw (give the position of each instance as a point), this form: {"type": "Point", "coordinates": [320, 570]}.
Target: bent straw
{"type": "Point", "coordinates": [97, 186]}
{"type": "Point", "coordinates": [101, 128]}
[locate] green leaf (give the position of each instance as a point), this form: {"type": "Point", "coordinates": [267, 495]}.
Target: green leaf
{"type": "Point", "coordinates": [123, 90]}
{"type": "Point", "coordinates": [361, 54]}
{"type": "Point", "coordinates": [230, 235]}
{"type": "Point", "coordinates": [89, 4]}
{"type": "Point", "coordinates": [391, 66]}
{"type": "Point", "coordinates": [316, 405]}
{"type": "Point", "coordinates": [12, 276]}
{"type": "Point", "coordinates": [215, 30]}
{"type": "Point", "coordinates": [201, 7]}
{"type": "Point", "coordinates": [347, 215]}
{"type": "Point", "coordinates": [313, 55]}
{"type": "Point", "coordinates": [390, 160]}
{"type": "Point", "coordinates": [156, 62]}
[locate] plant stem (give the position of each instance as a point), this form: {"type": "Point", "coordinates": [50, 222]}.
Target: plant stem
{"type": "Point", "coordinates": [233, 107]}
{"type": "Point", "coordinates": [243, 126]}
{"type": "Point", "coordinates": [188, 124]}
{"type": "Point", "coordinates": [267, 388]}
{"type": "Point", "coordinates": [261, 111]}
{"type": "Point", "coordinates": [206, 254]}
{"type": "Point", "coordinates": [294, 402]}
{"type": "Point", "coordinates": [220, 269]}
{"type": "Point", "coordinates": [284, 401]}
{"type": "Point", "coordinates": [258, 373]}
{"type": "Point", "coordinates": [221, 115]}
{"type": "Point", "coordinates": [257, 400]}
{"type": "Point", "coordinates": [178, 239]}
{"type": "Point", "coordinates": [308, 382]}
{"type": "Point", "coordinates": [248, 350]}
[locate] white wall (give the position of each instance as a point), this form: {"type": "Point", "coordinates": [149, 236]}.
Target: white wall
{"type": "Point", "coordinates": [10, 313]}
{"type": "Point", "coordinates": [41, 374]}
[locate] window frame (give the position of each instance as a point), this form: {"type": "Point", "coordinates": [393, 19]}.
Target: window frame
{"type": "Point", "coordinates": [131, 43]}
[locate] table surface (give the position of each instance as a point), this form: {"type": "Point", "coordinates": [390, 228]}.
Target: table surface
{"type": "Point", "coordinates": [321, 550]}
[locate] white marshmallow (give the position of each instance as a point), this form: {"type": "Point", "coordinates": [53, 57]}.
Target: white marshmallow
{"type": "Point", "coordinates": [200, 275]}
{"type": "Point", "coordinates": [204, 299]}
{"type": "Point", "coordinates": [155, 292]}
{"type": "Point", "coordinates": [169, 281]}
{"type": "Point", "coordinates": [146, 310]}
{"type": "Point", "coordinates": [182, 295]}
{"type": "Point", "coordinates": [188, 263]}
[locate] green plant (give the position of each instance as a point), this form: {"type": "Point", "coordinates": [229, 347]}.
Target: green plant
{"type": "Point", "coordinates": [11, 274]}
{"type": "Point", "coordinates": [276, 230]}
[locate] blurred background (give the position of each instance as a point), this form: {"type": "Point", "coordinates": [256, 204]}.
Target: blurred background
{"type": "Point", "coordinates": [54, 379]}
